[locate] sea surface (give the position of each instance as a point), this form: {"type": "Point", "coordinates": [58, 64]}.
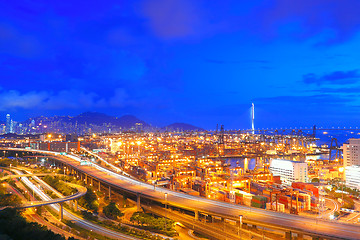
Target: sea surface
{"type": "Point", "coordinates": [324, 137]}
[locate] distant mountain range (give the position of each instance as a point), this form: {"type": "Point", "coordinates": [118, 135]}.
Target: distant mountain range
{"type": "Point", "coordinates": [183, 127]}
{"type": "Point", "coordinates": [101, 119]}
{"type": "Point", "coordinates": [126, 121]}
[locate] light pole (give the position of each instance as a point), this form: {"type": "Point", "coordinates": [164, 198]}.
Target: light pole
{"type": "Point", "coordinates": [342, 192]}
{"type": "Point", "coordinates": [165, 210]}
{"type": "Point", "coordinates": [240, 224]}
{"type": "Point", "coordinates": [27, 195]}
{"type": "Point", "coordinates": [341, 170]}
{"type": "Point", "coordinates": [138, 144]}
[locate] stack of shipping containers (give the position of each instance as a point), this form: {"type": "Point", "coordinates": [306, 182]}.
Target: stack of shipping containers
{"type": "Point", "coordinates": [258, 201]}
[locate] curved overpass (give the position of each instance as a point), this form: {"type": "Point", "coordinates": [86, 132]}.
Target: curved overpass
{"type": "Point", "coordinates": [81, 191]}
{"type": "Point", "coordinates": [270, 219]}
{"type": "Point", "coordinates": [73, 217]}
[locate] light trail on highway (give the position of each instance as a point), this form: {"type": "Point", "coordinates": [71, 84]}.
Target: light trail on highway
{"type": "Point", "coordinates": [268, 219]}
{"type": "Point", "coordinates": [72, 217]}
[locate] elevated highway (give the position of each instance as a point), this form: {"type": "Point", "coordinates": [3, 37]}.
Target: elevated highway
{"type": "Point", "coordinates": [81, 191]}
{"type": "Point", "coordinates": [83, 223]}
{"type": "Point", "coordinates": [274, 220]}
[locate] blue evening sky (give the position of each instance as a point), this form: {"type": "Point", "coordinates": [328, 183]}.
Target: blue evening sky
{"type": "Point", "coordinates": [201, 62]}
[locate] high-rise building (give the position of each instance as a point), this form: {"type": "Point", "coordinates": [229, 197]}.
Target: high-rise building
{"type": "Point", "coordinates": [351, 152]}
{"type": "Point", "coordinates": [352, 175]}
{"type": "Point", "coordinates": [8, 123]}
{"type": "Point", "coordinates": [289, 171]}
{"type": "Point", "coordinates": [12, 126]}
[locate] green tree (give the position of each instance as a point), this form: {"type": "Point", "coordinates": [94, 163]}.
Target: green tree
{"type": "Point", "coordinates": [59, 185]}
{"type": "Point", "coordinates": [89, 215]}
{"type": "Point", "coordinates": [111, 211]}
{"type": "Point", "coordinates": [9, 200]}
{"type": "Point", "coordinates": [89, 200]}
{"type": "Point", "coordinates": [14, 226]}
{"type": "Point", "coordinates": [154, 224]}
{"type": "Point", "coordinates": [315, 180]}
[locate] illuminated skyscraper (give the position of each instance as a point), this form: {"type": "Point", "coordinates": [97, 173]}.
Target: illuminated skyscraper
{"type": "Point", "coordinates": [8, 123]}
{"type": "Point", "coordinates": [253, 118]}
{"type": "Point", "coordinates": [352, 175]}
{"type": "Point", "coordinates": [12, 123]}
{"type": "Point", "coordinates": [351, 152]}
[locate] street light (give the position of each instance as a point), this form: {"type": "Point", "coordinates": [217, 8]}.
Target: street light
{"type": "Point", "coordinates": [165, 210]}
{"type": "Point", "coordinates": [240, 223]}
{"type": "Point", "coordinates": [342, 191]}
{"type": "Point", "coordinates": [28, 195]}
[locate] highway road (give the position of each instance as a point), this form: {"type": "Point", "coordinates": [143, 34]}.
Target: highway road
{"type": "Point", "coordinates": [81, 191]}
{"type": "Point", "coordinates": [72, 217]}
{"type": "Point", "coordinates": [334, 206]}
{"type": "Point", "coordinates": [269, 219]}
{"type": "Point", "coordinates": [36, 218]}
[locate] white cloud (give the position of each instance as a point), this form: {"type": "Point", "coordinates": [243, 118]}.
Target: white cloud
{"type": "Point", "coordinates": [119, 99]}
{"type": "Point", "coordinates": [66, 99]}
{"type": "Point", "coordinates": [14, 99]}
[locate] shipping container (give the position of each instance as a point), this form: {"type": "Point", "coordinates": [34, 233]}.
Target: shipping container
{"type": "Point", "coordinates": [258, 205]}
{"type": "Point", "coordinates": [280, 207]}
{"type": "Point", "coordinates": [260, 198]}
{"type": "Point", "coordinates": [239, 200]}
{"type": "Point", "coordinates": [247, 200]}
{"type": "Point", "coordinates": [266, 192]}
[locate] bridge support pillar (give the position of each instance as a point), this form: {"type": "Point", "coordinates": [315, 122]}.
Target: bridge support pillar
{"type": "Point", "coordinates": [99, 186]}
{"type": "Point", "coordinates": [300, 236]}
{"type": "Point", "coordinates": [288, 235]}
{"type": "Point", "coordinates": [75, 205]}
{"type": "Point", "coordinates": [61, 211]}
{"type": "Point", "coordinates": [86, 179]}
{"type": "Point", "coordinates": [196, 215]}
{"type": "Point", "coordinates": [91, 182]}
{"type": "Point", "coordinates": [316, 238]}
{"type": "Point", "coordinates": [109, 192]}
{"type": "Point", "coordinates": [138, 202]}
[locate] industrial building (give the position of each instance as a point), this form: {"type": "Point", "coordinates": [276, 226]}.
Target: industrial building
{"type": "Point", "coordinates": [351, 152]}
{"type": "Point", "coordinates": [352, 176]}
{"type": "Point", "coordinates": [289, 171]}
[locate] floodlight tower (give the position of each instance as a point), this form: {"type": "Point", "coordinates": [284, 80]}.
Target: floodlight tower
{"type": "Point", "coordinates": [252, 118]}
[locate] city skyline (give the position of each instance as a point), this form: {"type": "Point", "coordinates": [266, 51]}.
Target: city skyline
{"type": "Point", "coordinates": [182, 61]}
{"type": "Point", "coordinates": [181, 119]}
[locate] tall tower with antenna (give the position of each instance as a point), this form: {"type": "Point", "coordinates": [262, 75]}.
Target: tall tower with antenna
{"type": "Point", "coordinates": [252, 118]}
